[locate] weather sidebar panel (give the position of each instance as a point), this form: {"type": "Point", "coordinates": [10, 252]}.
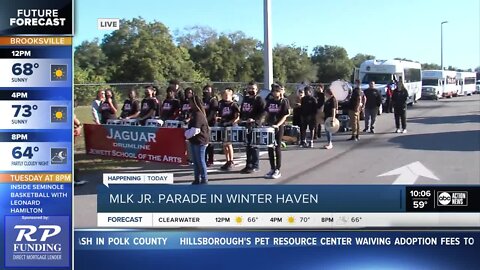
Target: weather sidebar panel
{"type": "Point", "coordinates": [36, 134]}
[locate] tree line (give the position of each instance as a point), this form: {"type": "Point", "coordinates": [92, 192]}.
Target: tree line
{"type": "Point", "coordinates": [143, 51]}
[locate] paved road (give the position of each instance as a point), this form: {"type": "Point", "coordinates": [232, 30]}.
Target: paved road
{"type": "Point", "coordinates": [442, 146]}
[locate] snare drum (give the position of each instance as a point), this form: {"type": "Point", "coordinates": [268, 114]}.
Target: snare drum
{"type": "Point", "coordinates": [130, 122]}
{"type": "Point", "coordinates": [173, 124]}
{"type": "Point", "coordinates": [114, 122]}
{"type": "Point", "coordinates": [235, 135]}
{"type": "Point", "coordinates": [154, 123]}
{"type": "Point", "coordinates": [216, 135]}
{"type": "Point", "coordinates": [263, 137]}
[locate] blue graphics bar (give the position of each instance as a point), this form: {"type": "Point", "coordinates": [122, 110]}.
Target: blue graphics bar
{"type": "Point", "coordinates": [276, 250]}
{"type": "Point", "coordinates": [286, 198]}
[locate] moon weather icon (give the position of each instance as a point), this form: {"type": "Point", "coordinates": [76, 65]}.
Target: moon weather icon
{"type": "Point", "coordinates": [58, 155]}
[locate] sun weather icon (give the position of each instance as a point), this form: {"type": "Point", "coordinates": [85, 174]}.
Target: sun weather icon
{"type": "Point", "coordinates": [58, 114]}
{"type": "Point", "coordinates": [58, 73]}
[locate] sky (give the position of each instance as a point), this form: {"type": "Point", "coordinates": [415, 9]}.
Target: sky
{"type": "Point", "coordinates": [386, 29]}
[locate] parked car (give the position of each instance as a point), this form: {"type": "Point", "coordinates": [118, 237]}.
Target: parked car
{"type": "Point", "coordinates": [429, 92]}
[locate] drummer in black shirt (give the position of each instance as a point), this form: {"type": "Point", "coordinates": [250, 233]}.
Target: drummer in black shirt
{"type": "Point", "coordinates": [148, 106]}
{"type": "Point", "coordinates": [108, 109]}
{"type": "Point", "coordinates": [157, 101]}
{"type": "Point", "coordinates": [170, 106]}
{"type": "Point", "coordinates": [185, 106]}
{"type": "Point", "coordinates": [131, 106]}
{"type": "Point", "coordinates": [251, 114]}
{"type": "Point", "coordinates": [228, 112]}
{"type": "Point", "coordinates": [309, 109]}
{"type": "Point", "coordinates": [277, 112]}
{"type": "Point", "coordinates": [177, 90]}
{"type": "Point", "coordinates": [320, 96]}
{"type": "Point", "coordinates": [210, 103]}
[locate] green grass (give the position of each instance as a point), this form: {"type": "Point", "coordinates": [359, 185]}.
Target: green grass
{"type": "Point", "coordinates": [84, 114]}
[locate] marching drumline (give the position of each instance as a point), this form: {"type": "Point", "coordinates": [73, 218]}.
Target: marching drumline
{"type": "Point", "coordinates": [262, 137]}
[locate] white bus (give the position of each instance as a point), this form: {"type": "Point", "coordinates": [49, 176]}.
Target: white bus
{"type": "Point", "coordinates": [442, 81]}
{"type": "Point", "coordinates": [383, 72]}
{"type": "Point", "coordinates": [466, 82]}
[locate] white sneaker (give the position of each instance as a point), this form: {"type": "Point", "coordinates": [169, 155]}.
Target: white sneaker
{"type": "Point", "coordinates": [398, 130]}
{"type": "Point", "coordinates": [404, 131]}
{"type": "Point", "coordinates": [269, 174]}
{"type": "Point", "coordinates": [328, 146]}
{"type": "Point", "coordinates": [276, 174]}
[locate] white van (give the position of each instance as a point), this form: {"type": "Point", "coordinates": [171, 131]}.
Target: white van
{"type": "Point", "coordinates": [383, 72]}
{"type": "Point", "coordinates": [443, 81]}
{"type": "Point", "coordinates": [466, 82]}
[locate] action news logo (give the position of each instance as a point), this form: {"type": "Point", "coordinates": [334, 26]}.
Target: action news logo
{"type": "Point", "coordinates": [452, 198]}
{"type": "Point", "coordinates": [37, 241]}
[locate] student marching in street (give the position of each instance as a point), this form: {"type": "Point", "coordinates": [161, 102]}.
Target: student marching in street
{"type": "Point", "coordinates": [108, 109]}
{"type": "Point", "coordinates": [198, 135]}
{"type": "Point", "coordinates": [330, 109]}
{"type": "Point", "coordinates": [185, 106]}
{"type": "Point", "coordinates": [297, 107]}
{"type": "Point", "coordinates": [177, 90]}
{"type": "Point", "coordinates": [399, 99]}
{"type": "Point", "coordinates": [277, 109]}
{"type": "Point", "coordinates": [210, 103]}
{"type": "Point", "coordinates": [320, 96]}
{"type": "Point", "coordinates": [229, 114]}
{"type": "Point", "coordinates": [131, 106]}
{"type": "Point", "coordinates": [309, 108]}
{"type": "Point", "coordinates": [170, 106]}
{"type": "Point", "coordinates": [354, 109]}
{"type": "Point", "coordinates": [389, 93]}
{"type": "Point", "coordinates": [148, 107]}
{"type": "Point", "coordinates": [374, 100]}
{"type": "Point", "coordinates": [158, 101]}
{"type": "Point", "coordinates": [252, 111]}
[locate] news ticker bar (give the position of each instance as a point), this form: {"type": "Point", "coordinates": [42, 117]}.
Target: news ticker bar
{"type": "Point", "coordinates": [286, 220]}
{"type": "Point", "coordinates": [133, 198]}
{"type": "Point", "coordinates": [258, 249]}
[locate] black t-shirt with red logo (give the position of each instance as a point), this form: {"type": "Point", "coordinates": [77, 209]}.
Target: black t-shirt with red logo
{"type": "Point", "coordinates": [276, 109]}
{"type": "Point", "coordinates": [185, 110]}
{"type": "Point", "coordinates": [211, 105]}
{"type": "Point", "coordinates": [170, 108]}
{"type": "Point", "coordinates": [130, 107]}
{"type": "Point", "coordinates": [106, 112]}
{"type": "Point", "coordinates": [158, 108]}
{"type": "Point", "coordinates": [252, 107]}
{"type": "Point", "coordinates": [227, 110]}
{"type": "Point", "coordinates": [147, 105]}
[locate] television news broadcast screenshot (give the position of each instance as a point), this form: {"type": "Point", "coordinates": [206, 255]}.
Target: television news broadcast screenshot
{"type": "Point", "coordinates": [256, 134]}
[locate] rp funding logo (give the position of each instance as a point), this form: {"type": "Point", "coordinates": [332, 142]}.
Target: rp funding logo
{"type": "Point", "coordinates": [26, 232]}
{"type": "Point", "coordinates": [41, 241]}
{"type": "Point", "coordinates": [452, 198]}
